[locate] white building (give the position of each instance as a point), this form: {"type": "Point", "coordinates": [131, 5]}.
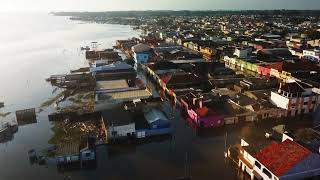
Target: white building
{"type": "Point", "coordinates": [296, 98]}
{"type": "Point", "coordinates": [241, 53]}
{"type": "Point", "coordinates": [277, 160]}
{"type": "Point", "coordinates": [118, 124]}
{"type": "Point", "coordinates": [312, 55]}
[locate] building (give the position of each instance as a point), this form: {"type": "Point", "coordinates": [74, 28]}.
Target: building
{"type": "Point", "coordinates": [112, 93]}
{"type": "Point", "coordinates": [141, 53]}
{"type": "Point", "coordinates": [114, 71]}
{"type": "Point", "coordinates": [103, 54]}
{"type": "Point", "coordinates": [241, 53]}
{"type": "Point", "coordinates": [153, 123]}
{"type": "Point", "coordinates": [118, 124]}
{"type": "Point", "coordinates": [201, 112]}
{"type": "Point", "coordinates": [76, 155]}
{"type": "Point", "coordinates": [295, 97]}
{"type": "Point", "coordinates": [312, 55]}
{"type": "Point", "coordinates": [269, 159]}
{"type": "Point", "coordinates": [274, 55]}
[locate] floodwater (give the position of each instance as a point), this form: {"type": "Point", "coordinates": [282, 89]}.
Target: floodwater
{"type": "Point", "coordinates": [34, 46]}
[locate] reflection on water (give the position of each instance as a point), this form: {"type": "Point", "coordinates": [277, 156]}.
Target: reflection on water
{"type": "Point", "coordinates": [34, 47]}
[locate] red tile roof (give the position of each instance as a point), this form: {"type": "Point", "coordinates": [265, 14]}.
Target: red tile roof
{"type": "Point", "coordinates": [279, 158]}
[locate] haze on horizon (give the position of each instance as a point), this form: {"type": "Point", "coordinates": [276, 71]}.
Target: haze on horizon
{"type": "Point", "coordinates": [120, 5]}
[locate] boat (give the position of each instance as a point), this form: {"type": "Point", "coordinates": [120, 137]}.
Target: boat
{"type": "Point", "coordinates": [87, 48]}
{"type": "Point", "coordinates": [1, 104]}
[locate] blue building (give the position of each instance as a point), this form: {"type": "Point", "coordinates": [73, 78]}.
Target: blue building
{"type": "Point", "coordinates": [156, 123]}
{"type": "Point", "coordinates": [141, 54]}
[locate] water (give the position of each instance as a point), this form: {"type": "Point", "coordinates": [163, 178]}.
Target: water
{"type": "Point", "coordinates": [34, 46]}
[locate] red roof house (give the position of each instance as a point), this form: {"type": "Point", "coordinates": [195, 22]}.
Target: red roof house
{"type": "Point", "coordinates": [279, 158]}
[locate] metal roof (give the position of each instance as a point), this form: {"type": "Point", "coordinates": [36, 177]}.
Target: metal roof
{"type": "Point", "coordinates": [155, 115]}
{"type": "Point", "coordinates": [279, 158]}
{"type": "Point", "coordinates": [115, 84]}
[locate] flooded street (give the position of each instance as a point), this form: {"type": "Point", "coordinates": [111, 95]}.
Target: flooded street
{"type": "Point", "coordinates": [36, 46]}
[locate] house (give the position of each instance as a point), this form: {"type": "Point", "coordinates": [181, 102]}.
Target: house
{"type": "Point", "coordinates": [252, 83]}
{"type": "Point", "coordinates": [153, 123]}
{"type": "Point", "coordinates": [118, 124]}
{"type": "Point", "coordinates": [141, 53]}
{"type": "Point", "coordinates": [312, 55]}
{"type": "Point", "coordinates": [295, 97]}
{"type": "Point", "coordinates": [201, 112]}
{"type": "Point", "coordinates": [282, 159]}
{"type": "Point", "coordinates": [76, 155]}
{"type": "Point", "coordinates": [242, 52]}
{"type": "Point", "coordinates": [263, 108]}
{"type": "Point", "coordinates": [178, 80]}
{"type": "Point", "coordinates": [274, 55]}
{"type": "Point", "coordinates": [114, 71]}
{"type": "Point", "coordinates": [103, 54]}
{"type": "Point", "coordinates": [113, 93]}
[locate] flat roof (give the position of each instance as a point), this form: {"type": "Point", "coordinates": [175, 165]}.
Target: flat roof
{"type": "Point", "coordinates": [133, 94]}
{"type": "Point", "coordinates": [117, 116]}
{"type": "Point", "coordinates": [110, 85]}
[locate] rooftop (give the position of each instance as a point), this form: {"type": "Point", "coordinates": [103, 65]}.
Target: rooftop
{"type": "Point", "coordinates": [111, 85]}
{"type": "Point", "coordinates": [117, 117]}
{"type": "Point", "coordinates": [279, 158]}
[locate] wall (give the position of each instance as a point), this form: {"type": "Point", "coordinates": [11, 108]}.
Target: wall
{"type": "Point", "coordinates": [141, 58]}
{"type": "Point", "coordinates": [279, 101]}
{"type": "Point", "coordinates": [121, 130]}
{"type": "Point", "coordinates": [244, 65]}
{"type": "Point", "coordinates": [260, 172]}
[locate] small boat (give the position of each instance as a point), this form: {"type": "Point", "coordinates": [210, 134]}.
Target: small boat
{"type": "Point", "coordinates": [87, 48]}
{"type": "Point", "coordinates": [1, 104]}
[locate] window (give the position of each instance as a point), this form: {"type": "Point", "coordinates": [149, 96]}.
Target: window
{"type": "Point", "coordinates": [266, 172]}
{"type": "Point", "coordinates": [114, 133]}
{"type": "Point", "coordinates": [257, 164]}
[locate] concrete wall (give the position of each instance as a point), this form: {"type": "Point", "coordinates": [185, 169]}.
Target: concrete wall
{"type": "Point", "coordinates": [279, 101]}
{"type": "Point", "coordinates": [122, 131]}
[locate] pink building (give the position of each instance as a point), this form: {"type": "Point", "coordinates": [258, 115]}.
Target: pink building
{"type": "Point", "coordinates": [201, 113]}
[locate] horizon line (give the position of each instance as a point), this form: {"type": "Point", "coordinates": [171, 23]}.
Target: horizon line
{"type": "Point", "coordinates": [153, 10]}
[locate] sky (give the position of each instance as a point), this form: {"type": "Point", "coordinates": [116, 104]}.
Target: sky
{"type": "Point", "coordinates": [120, 5]}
